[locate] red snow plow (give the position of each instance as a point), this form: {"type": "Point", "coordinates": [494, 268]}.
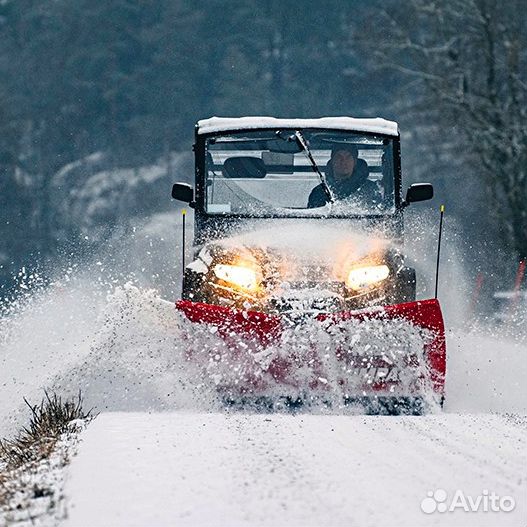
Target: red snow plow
{"type": "Point", "coordinates": [299, 280]}
{"type": "Point", "coordinates": [400, 372]}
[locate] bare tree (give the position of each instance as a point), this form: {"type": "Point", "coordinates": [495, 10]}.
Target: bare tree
{"type": "Point", "coordinates": [469, 59]}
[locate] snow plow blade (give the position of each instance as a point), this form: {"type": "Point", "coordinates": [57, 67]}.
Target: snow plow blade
{"type": "Point", "coordinates": [386, 351]}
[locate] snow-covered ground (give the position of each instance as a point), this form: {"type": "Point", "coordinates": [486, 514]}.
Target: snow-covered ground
{"type": "Point", "coordinates": [137, 469]}
{"type": "Point", "coordinates": [34, 492]}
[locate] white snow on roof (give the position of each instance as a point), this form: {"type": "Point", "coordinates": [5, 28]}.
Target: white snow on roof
{"type": "Point", "coordinates": [376, 125]}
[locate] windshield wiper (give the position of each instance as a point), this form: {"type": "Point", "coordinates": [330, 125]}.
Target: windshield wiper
{"type": "Point", "coordinates": [303, 143]}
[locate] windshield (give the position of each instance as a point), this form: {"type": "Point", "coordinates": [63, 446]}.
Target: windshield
{"type": "Point", "coordinates": [274, 173]}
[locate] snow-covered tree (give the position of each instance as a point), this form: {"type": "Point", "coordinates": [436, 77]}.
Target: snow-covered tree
{"type": "Point", "coordinates": [468, 59]}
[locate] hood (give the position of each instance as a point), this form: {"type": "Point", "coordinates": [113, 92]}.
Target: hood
{"type": "Point", "coordinates": [302, 250]}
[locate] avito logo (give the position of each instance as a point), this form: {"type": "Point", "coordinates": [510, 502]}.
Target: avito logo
{"type": "Point", "coordinates": [438, 501]}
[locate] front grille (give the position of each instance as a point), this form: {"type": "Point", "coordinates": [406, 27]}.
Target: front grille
{"type": "Point", "coordinates": [307, 299]}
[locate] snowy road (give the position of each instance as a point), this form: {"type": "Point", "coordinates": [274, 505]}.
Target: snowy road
{"type": "Point", "coordinates": [218, 469]}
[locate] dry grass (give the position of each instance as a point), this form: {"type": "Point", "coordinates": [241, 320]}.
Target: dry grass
{"type": "Point", "coordinates": [22, 457]}
{"type": "Point", "coordinates": [49, 420]}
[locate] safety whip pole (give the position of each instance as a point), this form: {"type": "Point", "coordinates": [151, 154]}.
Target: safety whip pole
{"type": "Point", "coordinates": [184, 215]}
{"type": "Point", "coordinates": [442, 213]}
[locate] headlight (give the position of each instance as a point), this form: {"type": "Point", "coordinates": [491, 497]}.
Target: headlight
{"type": "Point", "coordinates": [362, 277]}
{"type": "Point", "coordinates": [243, 277]}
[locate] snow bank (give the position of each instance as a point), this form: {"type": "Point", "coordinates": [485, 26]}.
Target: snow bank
{"type": "Point", "coordinates": [36, 490]}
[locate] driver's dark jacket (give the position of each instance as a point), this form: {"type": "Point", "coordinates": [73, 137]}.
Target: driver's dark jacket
{"type": "Point", "coordinates": [357, 185]}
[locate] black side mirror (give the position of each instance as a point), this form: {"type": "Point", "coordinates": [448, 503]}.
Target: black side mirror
{"type": "Point", "coordinates": [419, 192]}
{"type": "Point", "coordinates": [183, 192]}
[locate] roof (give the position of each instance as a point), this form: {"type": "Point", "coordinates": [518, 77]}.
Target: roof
{"type": "Point", "coordinates": [220, 124]}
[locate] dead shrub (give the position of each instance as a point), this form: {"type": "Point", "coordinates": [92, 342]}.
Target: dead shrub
{"type": "Point", "coordinates": [49, 420]}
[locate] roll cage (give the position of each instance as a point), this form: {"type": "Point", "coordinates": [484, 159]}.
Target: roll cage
{"type": "Point", "coordinates": [209, 226]}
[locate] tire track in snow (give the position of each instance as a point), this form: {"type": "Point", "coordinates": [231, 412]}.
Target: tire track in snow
{"type": "Point", "coordinates": [485, 461]}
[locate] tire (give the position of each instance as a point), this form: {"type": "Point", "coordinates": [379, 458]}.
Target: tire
{"type": "Point", "coordinates": [386, 405]}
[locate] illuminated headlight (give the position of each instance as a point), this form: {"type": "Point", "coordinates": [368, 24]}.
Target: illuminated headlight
{"type": "Point", "coordinates": [243, 277]}
{"type": "Point", "coordinates": [363, 277]}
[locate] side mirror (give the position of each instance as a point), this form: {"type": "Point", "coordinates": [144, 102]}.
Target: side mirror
{"type": "Point", "coordinates": [419, 192]}
{"type": "Point", "coordinates": [183, 192]}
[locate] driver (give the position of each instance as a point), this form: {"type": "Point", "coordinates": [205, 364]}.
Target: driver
{"type": "Point", "coordinates": [347, 176]}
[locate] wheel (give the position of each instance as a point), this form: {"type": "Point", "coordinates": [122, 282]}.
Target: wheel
{"type": "Point", "coordinates": [386, 405]}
